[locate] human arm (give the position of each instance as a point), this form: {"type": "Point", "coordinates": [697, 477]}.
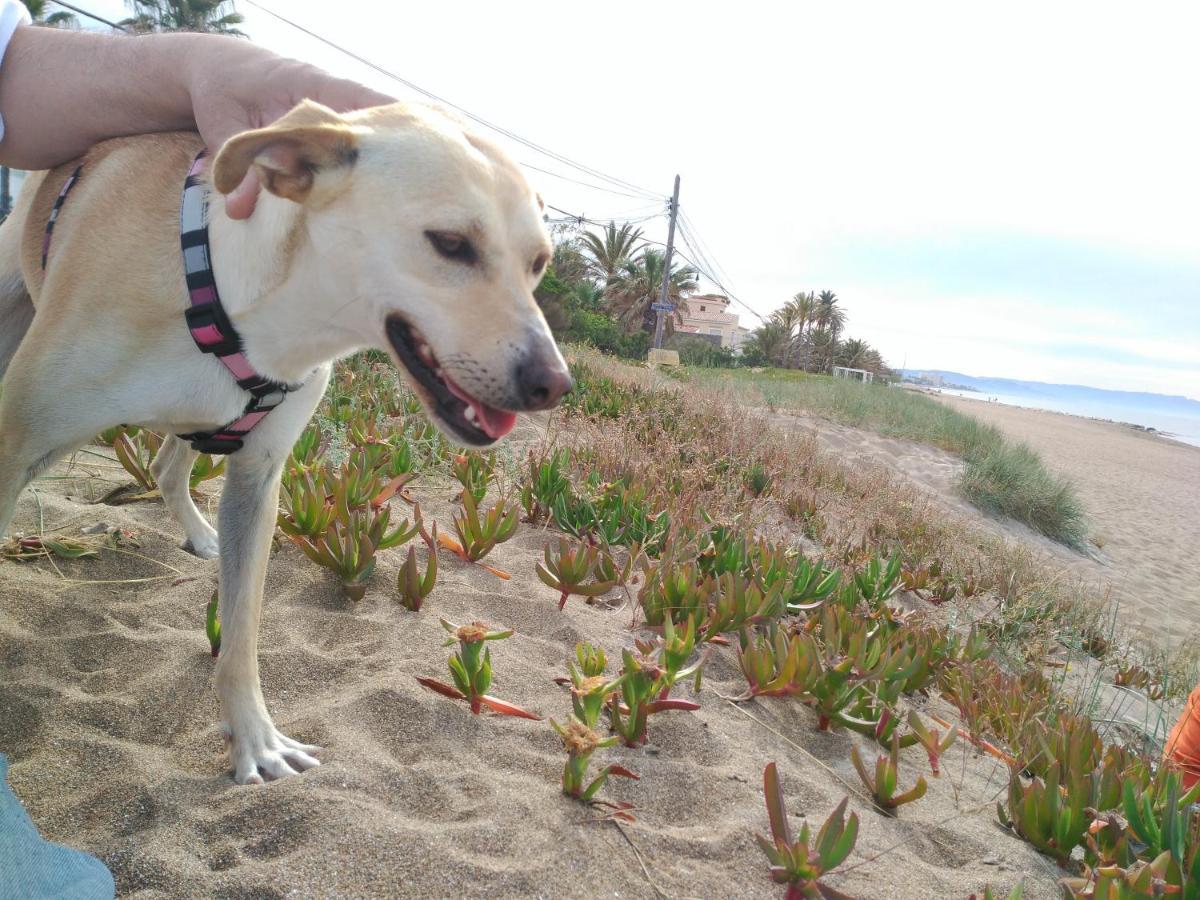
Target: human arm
{"type": "Point", "coordinates": [63, 91]}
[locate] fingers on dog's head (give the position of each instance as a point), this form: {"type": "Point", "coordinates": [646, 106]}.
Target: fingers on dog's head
{"type": "Point", "coordinates": [288, 153]}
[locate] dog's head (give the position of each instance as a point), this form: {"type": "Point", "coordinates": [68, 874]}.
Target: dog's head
{"type": "Point", "coordinates": [442, 243]}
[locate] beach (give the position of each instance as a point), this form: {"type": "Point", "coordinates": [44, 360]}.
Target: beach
{"type": "Point", "coordinates": [108, 715]}
{"type": "Point", "coordinates": [1140, 492]}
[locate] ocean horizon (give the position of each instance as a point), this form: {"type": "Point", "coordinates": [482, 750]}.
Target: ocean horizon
{"type": "Point", "coordinates": [1180, 428]}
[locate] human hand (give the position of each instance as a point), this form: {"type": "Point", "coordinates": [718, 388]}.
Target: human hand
{"type": "Point", "coordinates": [236, 86]}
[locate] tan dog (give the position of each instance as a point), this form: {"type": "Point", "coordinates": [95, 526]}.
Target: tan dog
{"type": "Point", "coordinates": [389, 228]}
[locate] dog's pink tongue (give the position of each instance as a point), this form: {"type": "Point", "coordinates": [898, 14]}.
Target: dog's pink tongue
{"type": "Point", "coordinates": [496, 423]}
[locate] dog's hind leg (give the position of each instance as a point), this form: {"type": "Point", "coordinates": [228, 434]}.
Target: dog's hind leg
{"type": "Point", "coordinates": [22, 460]}
{"type": "Point", "coordinates": [16, 307]}
{"type": "Point", "coordinates": [246, 519]}
{"type": "Point", "coordinates": [172, 469]}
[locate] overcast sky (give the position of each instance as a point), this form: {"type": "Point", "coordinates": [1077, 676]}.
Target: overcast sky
{"type": "Point", "coordinates": [1010, 189]}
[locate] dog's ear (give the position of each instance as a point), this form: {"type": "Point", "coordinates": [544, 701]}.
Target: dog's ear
{"type": "Point", "coordinates": [288, 153]}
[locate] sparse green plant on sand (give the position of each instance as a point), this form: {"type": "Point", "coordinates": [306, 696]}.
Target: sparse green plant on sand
{"type": "Point", "coordinates": [1049, 815]}
{"type": "Point", "coordinates": [581, 741]}
{"type": "Point", "coordinates": [349, 544]}
{"type": "Point", "coordinates": [878, 582]}
{"type": "Point", "coordinates": [646, 681]}
{"type": "Point", "coordinates": [471, 669]}
{"type": "Point", "coordinates": [802, 863]}
{"type": "Point", "coordinates": [573, 570]}
{"type": "Point", "coordinates": [307, 509]}
{"type": "Point", "coordinates": [307, 449]}
{"type": "Point", "coordinates": [931, 739]}
{"type": "Point", "coordinates": [756, 479]}
{"type": "Point", "coordinates": [136, 450]}
{"type": "Point", "coordinates": [212, 626]}
{"type": "Point", "coordinates": [778, 664]}
{"type": "Point", "coordinates": [675, 590]}
{"type": "Point", "coordinates": [412, 586]}
{"type": "Point", "coordinates": [882, 782]}
{"type": "Point", "coordinates": [478, 535]}
{"type": "Point", "coordinates": [474, 471]}
{"type": "Point", "coordinates": [740, 601]}
{"type": "Point", "coordinates": [546, 482]}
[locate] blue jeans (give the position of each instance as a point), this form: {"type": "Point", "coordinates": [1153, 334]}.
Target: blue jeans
{"type": "Point", "coordinates": [32, 868]}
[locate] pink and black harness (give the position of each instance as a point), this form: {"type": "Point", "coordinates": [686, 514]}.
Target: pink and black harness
{"type": "Point", "coordinates": [206, 319]}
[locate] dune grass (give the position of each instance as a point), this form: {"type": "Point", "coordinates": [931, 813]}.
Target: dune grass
{"type": "Point", "coordinates": [999, 475]}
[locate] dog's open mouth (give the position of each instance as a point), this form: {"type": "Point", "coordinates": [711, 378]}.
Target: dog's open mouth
{"type": "Point", "coordinates": [474, 421]}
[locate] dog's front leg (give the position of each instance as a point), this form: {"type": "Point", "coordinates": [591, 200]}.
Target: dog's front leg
{"type": "Point", "coordinates": [246, 521]}
{"type": "Point", "coordinates": [172, 468]}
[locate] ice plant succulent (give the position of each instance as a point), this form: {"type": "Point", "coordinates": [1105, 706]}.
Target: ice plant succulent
{"type": "Point", "coordinates": [931, 739]}
{"type": "Point", "coordinates": [474, 472]}
{"type": "Point", "coordinates": [882, 782]}
{"type": "Point", "coordinates": [573, 570]}
{"type": "Point", "coordinates": [589, 688]}
{"type": "Point", "coordinates": [212, 626]}
{"type": "Point", "coordinates": [471, 668]}
{"type": "Point", "coordinates": [411, 584]}
{"type": "Point", "coordinates": [645, 682]}
{"type": "Point", "coordinates": [349, 546]}
{"type": "Point", "coordinates": [479, 535]}
{"type": "Point", "coordinates": [800, 864]}
{"type": "Point", "coordinates": [581, 741]}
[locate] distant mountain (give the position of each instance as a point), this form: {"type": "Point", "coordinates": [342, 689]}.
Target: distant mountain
{"type": "Point", "coordinates": [1065, 393]}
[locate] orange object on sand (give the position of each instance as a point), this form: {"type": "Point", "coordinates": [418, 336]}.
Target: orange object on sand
{"type": "Point", "coordinates": [1183, 743]}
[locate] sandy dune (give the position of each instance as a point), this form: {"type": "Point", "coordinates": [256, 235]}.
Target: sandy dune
{"type": "Point", "coordinates": [1141, 493]}
{"type": "Point", "coordinates": [107, 712]}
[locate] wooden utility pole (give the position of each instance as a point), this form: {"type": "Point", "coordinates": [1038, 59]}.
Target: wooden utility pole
{"type": "Point", "coordinates": [664, 304]}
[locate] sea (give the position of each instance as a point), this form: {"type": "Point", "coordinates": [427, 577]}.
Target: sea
{"type": "Point", "coordinates": [1180, 428]}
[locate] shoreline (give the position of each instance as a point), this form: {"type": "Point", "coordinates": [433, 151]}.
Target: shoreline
{"type": "Point", "coordinates": [1149, 431]}
{"type": "Point", "coordinates": [1135, 488]}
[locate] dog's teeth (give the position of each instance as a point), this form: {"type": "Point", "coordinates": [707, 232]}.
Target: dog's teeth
{"type": "Point", "coordinates": [469, 415]}
{"type": "Point", "coordinates": [425, 353]}
{"type": "Point", "coordinates": [438, 372]}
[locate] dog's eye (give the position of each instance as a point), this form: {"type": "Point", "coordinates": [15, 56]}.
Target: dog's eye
{"type": "Point", "coordinates": [452, 246]}
{"type": "Point", "coordinates": [539, 264]}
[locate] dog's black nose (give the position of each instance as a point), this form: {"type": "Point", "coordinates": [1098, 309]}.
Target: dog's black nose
{"type": "Point", "coordinates": [542, 383]}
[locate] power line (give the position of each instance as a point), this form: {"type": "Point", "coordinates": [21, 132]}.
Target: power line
{"type": "Point", "coordinates": [84, 12]}
{"type": "Point", "coordinates": [582, 220]}
{"type": "Point", "coordinates": [595, 187]}
{"type": "Point", "coordinates": [587, 170]}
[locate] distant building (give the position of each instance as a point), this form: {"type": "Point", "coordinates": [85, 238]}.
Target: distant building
{"type": "Point", "coordinates": [708, 315]}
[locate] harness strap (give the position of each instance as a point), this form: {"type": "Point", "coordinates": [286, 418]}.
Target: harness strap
{"type": "Point", "coordinates": [62, 195]}
{"type": "Point", "coordinates": [211, 328]}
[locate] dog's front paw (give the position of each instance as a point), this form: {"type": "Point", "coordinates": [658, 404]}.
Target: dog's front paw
{"type": "Point", "coordinates": [265, 754]}
{"type": "Point", "coordinates": [205, 546]}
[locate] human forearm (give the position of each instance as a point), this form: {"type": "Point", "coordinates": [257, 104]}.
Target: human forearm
{"type": "Point", "coordinates": [61, 92]}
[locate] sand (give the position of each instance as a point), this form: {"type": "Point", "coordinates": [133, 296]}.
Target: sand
{"type": "Point", "coordinates": [1141, 493]}
{"type": "Point", "coordinates": [108, 715]}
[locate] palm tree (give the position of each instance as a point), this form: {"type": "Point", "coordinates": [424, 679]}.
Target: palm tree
{"type": "Point", "coordinates": [638, 283]}
{"type": "Point", "coordinates": [829, 315]}
{"type": "Point", "coordinates": [184, 15]}
{"type": "Point", "coordinates": [589, 294]}
{"type": "Point", "coordinates": [824, 344]}
{"type": "Point", "coordinates": [37, 12]}
{"type": "Point", "coordinates": [611, 249]}
{"type": "Point", "coordinates": [853, 354]}
{"type": "Point", "coordinates": [788, 318]}
{"type": "Point", "coordinates": [769, 342]}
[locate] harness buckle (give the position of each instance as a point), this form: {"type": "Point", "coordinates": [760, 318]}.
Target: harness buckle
{"type": "Point", "coordinates": [212, 444]}
{"type": "Point", "coordinates": [211, 330]}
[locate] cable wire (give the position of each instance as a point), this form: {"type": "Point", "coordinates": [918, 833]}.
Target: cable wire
{"type": "Point", "coordinates": [84, 12]}
{"type": "Point", "coordinates": [587, 170]}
